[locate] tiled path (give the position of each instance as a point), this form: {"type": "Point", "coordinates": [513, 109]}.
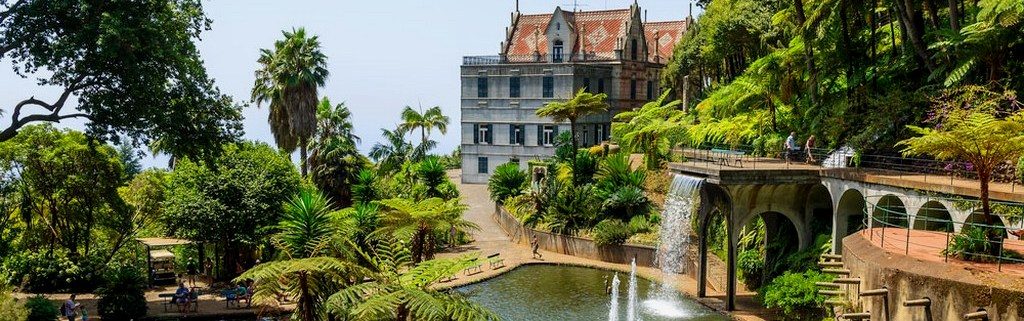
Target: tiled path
{"type": "Point", "coordinates": [928, 246]}
{"type": "Point", "coordinates": [490, 239]}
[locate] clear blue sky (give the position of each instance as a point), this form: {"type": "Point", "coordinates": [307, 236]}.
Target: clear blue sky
{"type": "Point", "coordinates": [383, 55]}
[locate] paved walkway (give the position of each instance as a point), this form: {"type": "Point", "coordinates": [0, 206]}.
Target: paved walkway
{"type": "Point", "coordinates": [491, 238]}
{"type": "Point", "coordinates": [928, 246]}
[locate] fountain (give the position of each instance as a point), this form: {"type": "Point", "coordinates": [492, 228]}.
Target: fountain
{"type": "Point", "coordinates": [680, 206]}
{"type": "Point", "coordinates": [631, 294]}
{"type": "Point", "coordinates": [613, 313]}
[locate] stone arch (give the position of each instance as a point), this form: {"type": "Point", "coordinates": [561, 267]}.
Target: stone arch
{"type": "Point", "coordinates": [933, 216]}
{"type": "Point", "coordinates": [849, 217]}
{"type": "Point", "coordinates": [977, 218]}
{"type": "Point", "coordinates": [714, 201]}
{"type": "Point", "coordinates": [819, 209]}
{"type": "Point", "coordinates": [889, 211]}
{"type": "Point", "coordinates": [795, 219]}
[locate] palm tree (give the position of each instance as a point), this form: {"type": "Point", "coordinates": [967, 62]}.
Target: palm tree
{"type": "Point", "coordinates": [508, 181]}
{"type": "Point", "coordinates": [582, 104]}
{"type": "Point", "coordinates": [312, 266]}
{"type": "Point", "coordinates": [288, 79]}
{"type": "Point", "coordinates": [420, 221]}
{"type": "Point", "coordinates": [334, 160]}
{"type": "Point", "coordinates": [425, 122]}
{"type": "Point", "coordinates": [975, 136]}
{"type": "Point", "coordinates": [651, 129]}
{"type": "Point", "coordinates": [393, 152]}
{"type": "Point", "coordinates": [402, 290]}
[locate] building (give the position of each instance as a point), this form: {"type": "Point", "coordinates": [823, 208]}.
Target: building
{"type": "Point", "coordinates": [548, 57]}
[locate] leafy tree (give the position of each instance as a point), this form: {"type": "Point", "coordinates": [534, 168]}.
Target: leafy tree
{"type": "Point", "coordinates": [421, 221]}
{"type": "Point", "coordinates": [401, 289]}
{"type": "Point", "coordinates": [123, 296]}
{"type": "Point", "coordinates": [133, 68]}
{"type": "Point", "coordinates": [652, 129]}
{"type": "Point", "coordinates": [313, 265]}
{"type": "Point", "coordinates": [233, 202]}
{"type": "Point", "coordinates": [288, 79]}
{"type": "Point", "coordinates": [975, 136]}
{"type": "Point", "coordinates": [335, 162]}
{"type": "Point", "coordinates": [432, 176]}
{"type": "Point", "coordinates": [507, 181]}
{"type": "Point", "coordinates": [425, 121]}
{"type": "Point", "coordinates": [67, 186]}
{"type": "Point", "coordinates": [582, 104]}
{"type": "Point", "coordinates": [364, 190]}
{"type": "Point", "coordinates": [393, 152]}
{"type": "Point", "coordinates": [11, 308]}
{"type": "Point", "coordinates": [131, 161]}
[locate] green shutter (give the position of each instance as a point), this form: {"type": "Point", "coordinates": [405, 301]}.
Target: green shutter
{"type": "Point", "coordinates": [476, 134]}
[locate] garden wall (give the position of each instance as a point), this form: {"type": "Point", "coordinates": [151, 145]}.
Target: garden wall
{"type": "Point", "coordinates": [953, 290]}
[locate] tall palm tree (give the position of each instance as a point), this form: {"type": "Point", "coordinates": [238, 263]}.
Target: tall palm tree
{"type": "Point", "coordinates": [582, 104]}
{"type": "Point", "coordinates": [420, 221]}
{"type": "Point", "coordinates": [313, 263]}
{"type": "Point", "coordinates": [402, 290]}
{"type": "Point", "coordinates": [288, 79]}
{"type": "Point", "coordinates": [393, 152]}
{"type": "Point", "coordinates": [425, 122]}
{"type": "Point", "coordinates": [334, 161]}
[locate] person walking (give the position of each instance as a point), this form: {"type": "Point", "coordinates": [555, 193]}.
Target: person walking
{"type": "Point", "coordinates": [70, 308]}
{"type": "Point", "coordinates": [791, 148]}
{"type": "Point", "coordinates": [536, 248]}
{"type": "Point", "coordinates": [810, 149]}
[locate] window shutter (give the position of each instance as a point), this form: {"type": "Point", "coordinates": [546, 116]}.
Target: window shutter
{"type": "Point", "coordinates": [476, 134]}
{"type": "Point", "coordinates": [490, 134]}
{"type": "Point", "coordinates": [512, 134]}
{"type": "Point", "coordinates": [521, 140]}
{"type": "Point", "coordinates": [540, 135]}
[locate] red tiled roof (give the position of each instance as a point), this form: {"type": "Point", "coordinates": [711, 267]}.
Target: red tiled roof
{"type": "Point", "coordinates": [598, 31]}
{"type": "Point", "coordinates": [668, 35]}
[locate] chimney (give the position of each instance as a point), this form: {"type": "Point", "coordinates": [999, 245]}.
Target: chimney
{"type": "Point", "coordinates": [645, 15]}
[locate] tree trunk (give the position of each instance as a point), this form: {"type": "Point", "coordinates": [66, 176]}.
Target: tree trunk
{"type": "Point", "coordinates": [994, 238]}
{"type": "Point", "coordinates": [954, 15]}
{"type": "Point", "coordinates": [305, 299]}
{"type": "Point", "coordinates": [402, 313]}
{"type": "Point", "coordinates": [812, 74]}
{"type": "Point", "coordinates": [417, 245]}
{"type": "Point", "coordinates": [914, 30]}
{"type": "Point", "coordinates": [933, 12]}
{"type": "Point", "coordinates": [303, 157]}
{"type": "Point", "coordinates": [572, 132]}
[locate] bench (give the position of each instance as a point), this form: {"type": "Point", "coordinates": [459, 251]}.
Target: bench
{"type": "Point", "coordinates": [474, 269]}
{"type": "Point", "coordinates": [496, 260]}
{"type": "Point", "coordinates": [191, 306]}
{"type": "Point", "coordinates": [726, 154]}
{"type": "Point", "coordinates": [236, 299]}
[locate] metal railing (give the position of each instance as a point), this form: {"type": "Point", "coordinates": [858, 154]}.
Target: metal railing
{"type": "Point", "coordinates": [895, 216]}
{"type": "Point", "coordinates": [536, 58]}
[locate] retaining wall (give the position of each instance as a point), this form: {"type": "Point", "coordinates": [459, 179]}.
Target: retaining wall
{"type": "Point", "coordinates": [953, 290]}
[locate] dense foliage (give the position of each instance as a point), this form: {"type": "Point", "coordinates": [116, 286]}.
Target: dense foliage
{"type": "Point", "coordinates": [14, 309]}
{"type": "Point", "coordinates": [507, 181]}
{"type": "Point", "coordinates": [796, 295]}
{"type": "Point", "coordinates": [122, 295]}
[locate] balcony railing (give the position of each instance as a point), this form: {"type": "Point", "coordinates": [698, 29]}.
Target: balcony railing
{"type": "Point", "coordinates": [535, 58]}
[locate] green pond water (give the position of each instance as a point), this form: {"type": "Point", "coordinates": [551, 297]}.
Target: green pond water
{"type": "Point", "coordinates": [550, 292]}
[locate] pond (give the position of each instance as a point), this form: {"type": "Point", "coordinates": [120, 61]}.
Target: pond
{"type": "Point", "coordinates": [551, 292]}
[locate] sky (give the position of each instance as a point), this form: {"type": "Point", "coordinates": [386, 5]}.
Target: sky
{"type": "Point", "coordinates": [382, 55]}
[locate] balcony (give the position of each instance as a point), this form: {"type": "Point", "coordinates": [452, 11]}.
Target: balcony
{"type": "Point", "coordinates": [536, 58]}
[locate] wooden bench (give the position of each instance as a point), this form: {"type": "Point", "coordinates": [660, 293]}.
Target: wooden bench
{"type": "Point", "coordinates": [725, 155]}
{"type": "Point", "coordinates": [474, 269]}
{"type": "Point", "coordinates": [191, 306]}
{"type": "Point", "coordinates": [496, 260]}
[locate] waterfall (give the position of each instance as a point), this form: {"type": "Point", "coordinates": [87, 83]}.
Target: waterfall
{"type": "Point", "coordinates": [680, 206]}
{"type": "Point", "coordinates": [631, 294]}
{"type": "Point", "coordinates": [613, 314]}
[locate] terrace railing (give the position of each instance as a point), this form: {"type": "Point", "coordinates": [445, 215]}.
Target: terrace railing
{"type": "Point", "coordinates": [532, 58]}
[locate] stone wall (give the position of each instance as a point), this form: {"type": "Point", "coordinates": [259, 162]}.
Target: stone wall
{"type": "Point", "coordinates": [953, 290]}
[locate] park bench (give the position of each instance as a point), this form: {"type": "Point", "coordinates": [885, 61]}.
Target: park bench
{"type": "Point", "coordinates": [496, 260]}
{"type": "Point", "coordinates": [474, 269]}
{"type": "Point", "coordinates": [725, 156]}
{"type": "Point", "coordinates": [191, 306]}
{"type": "Point", "coordinates": [236, 299]}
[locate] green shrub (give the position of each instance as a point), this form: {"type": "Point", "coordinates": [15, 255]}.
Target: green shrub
{"type": "Point", "coordinates": [507, 181]}
{"type": "Point", "coordinates": [611, 232]}
{"type": "Point", "coordinates": [796, 295]}
{"type": "Point", "coordinates": [122, 296]}
{"type": "Point", "coordinates": [1020, 169]}
{"type": "Point", "coordinates": [11, 309]}
{"type": "Point", "coordinates": [751, 267]}
{"type": "Point", "coordinates": [640, 224]}
{"type": "Point", "coordinates": [41, 309]}
{"type": "Point", "coordinates": [38, 272]}
{"type": "Point", "coordinates": [971, 244]}
{"type": "Point", "coordinates": [626, 203]}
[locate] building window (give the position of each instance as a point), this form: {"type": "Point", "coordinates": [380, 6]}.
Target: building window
{"type": "Point", "coordinates": [650, 90]}
{"type": "Point", "coordinates": [515, 134]}
{"type": "Point", "coordinates": [599, 133]}
{"type": "Point", "coordinates": [548, 134]}
{"type": "Point", "coordinates": [558, 26]}
{"type": "Point", "coordinates": [556, 52]}
{"type": "Point", "coordinates": [514, 160]}
{"type": "Point", "coordinates": [481, 165]}
{"type": "Point", "coordinates": [633, 50]}
{"type": "Point", "coordinates": [549, 86]}
{"type": "Point", "coordinates": [481, 87]}
{"type": "Point", "coordinates": [600, 86]}
{"type": "Point", "coordinates": [513, 87]}
{"type": "Point", "coordinates": [632, 89]}
{"type": "Point", "coordinates": [586, 84]}
{"type": "Point", "coordinates": [483, 134]}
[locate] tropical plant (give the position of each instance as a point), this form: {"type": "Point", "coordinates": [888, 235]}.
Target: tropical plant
{"type": "Point", "coordinates": [652, 130]}
{"type": "Point", "coordinates": [507, 181]}
{"type": "Point", "coordinates": [401, 289]}
{"type": "Point", "coordinates": [288, 79]}
{"type": "Point", "coordinates": [366, 219]}
{"type": "Point", "coordinates": [571, 209]}
{"type": "Point", "coordinates": [420, 222]}
{"type": "Point", "coordinates": [334, 161]}
{"type": "Point", "coordinates": [41, 309]}
{"type": "Point", "coordinates": [626, 203]}
{"type": "Point", "coordinates": [312, 264]}
{"type": "Point", "coordinates": [391, 153]}
{"type": "Point", "coordinates": [582, 104]}
{"type": "Point", "coordinates": [796, 295]}
{"type": "Point", "coordinates": [432, 176]}
{"type": "Point", "coordinates": [972, 244]}
{"type": "Point", "coordinates": [123, 294]}
{"type": "Point", "coordinates": [977, 136]}
{"type": "Point", "coordinates": [364, 191]}
{"type": "Point", "coordinates": [17, 311]}
{"type": "Point", "coordinates": [426, 121]}
{"type": "Point", "coordinates": [611, 232]}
